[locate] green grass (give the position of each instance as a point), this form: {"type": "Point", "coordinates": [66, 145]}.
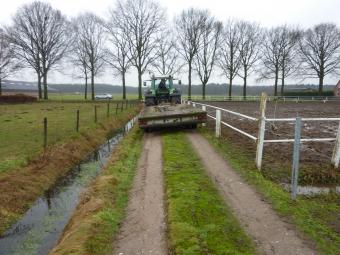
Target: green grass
{"type": "Point", "coordinates": [103, 207]}
{"type": "Point", "coordinates": [316, 217]}
{"type": "Point", "coordinates": [74, 96]}
{"type": "Point", "coordinates": [21, 127]}
{"type": "Point", "coordinates": [199, 222]}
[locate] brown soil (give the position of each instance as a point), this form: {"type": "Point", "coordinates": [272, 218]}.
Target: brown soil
{"type": "Point", "coordinates": [19, 188]}
{"type": "Point", "coordinates": [270, 233]}
{"type": "Point", "coordinates": [144, 229]}
{"type": "Point", "coordinates": [315, 158]}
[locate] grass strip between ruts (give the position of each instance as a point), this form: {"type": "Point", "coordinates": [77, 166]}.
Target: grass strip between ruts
{"type": "Point", "coordinates": [199, 221]}
{"type": "Point", "coordinates": [314, 216]}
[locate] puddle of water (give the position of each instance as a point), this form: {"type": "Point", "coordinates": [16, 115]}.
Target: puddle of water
{"type": "Point", "coordinates": [313, 190]}
{"type": "Point", "coordinates": [41, 226]}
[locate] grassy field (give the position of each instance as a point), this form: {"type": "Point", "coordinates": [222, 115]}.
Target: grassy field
{"type": "Point", "coordinates": [21, 127]}
{"type": "Point", "coordinates": [74, 96]}
{"type": "Point", "coordinates": [96, 221]}
{"type": "Point", "coordinates": [317, 217]}
{"type": "Point", "coordinates": [199, 222]}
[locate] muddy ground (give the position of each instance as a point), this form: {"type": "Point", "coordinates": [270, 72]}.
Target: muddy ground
{"type": "Point", "coordinates": [315, 157]}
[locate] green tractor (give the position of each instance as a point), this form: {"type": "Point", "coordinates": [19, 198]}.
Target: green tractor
{"type": "Point", "coordinates": [162, 90]}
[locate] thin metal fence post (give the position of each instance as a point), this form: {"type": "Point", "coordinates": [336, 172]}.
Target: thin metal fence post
{"type": "Point", "coordinates": [108, 110]}
{"type": "Point", "coordinates": [204, 108]}
{"type": "Point", "coordinates": [218, 123]}
{"type": "Point", "coordinates": [95, 114]}
{"type": "Point", "coordinates": [261, 132]}
{"type": "Point", "coordinates": [296, 158]}
{"type": "Point", "coordinates": [117, 107]}
{"type": "Point", "coordinates": [45, 133]}
{"type": "Point", "coordinates": [77, 123]}
{"type": "Point", "coordinates": [122, 106]}
{"type": "Point", "coordinates": [336, 151]}
{"type": "Point", "coordinates": [126, 104]}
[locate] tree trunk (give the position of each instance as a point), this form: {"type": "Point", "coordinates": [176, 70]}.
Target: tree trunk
{"type": "Point", "coordinates": [275, 84]}
{"type": "Point", "coordinates": [283, 85]}
{"type": "Point", "coordinates": [124, 87]}
{"type": "Point", "coordinates": [230, 87]}
{"type": "Point", "coordinates": [245, 83]}
{"type": "Point", "coordinates": [45, 85]}
{"type": "Point", "coordinates": [86, 78]}
{"type": "Point", "coordinates": [189, 82]}
{"type": "Point", "coordinates": [203, 91]}
{"type": "Point", "coordinates": [92, 85]}
{"type": "Point", "coordinates": [321, 84]}
{"type": "Point", "coordinates": [39, 86]}
{"type": "Point", "coordinates": [0, 87]}
{"type": "Point", "coordinates": [140, 84]}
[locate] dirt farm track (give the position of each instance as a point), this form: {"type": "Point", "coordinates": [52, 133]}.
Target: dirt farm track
{"type": "Point", "coordinates": [315, 157]}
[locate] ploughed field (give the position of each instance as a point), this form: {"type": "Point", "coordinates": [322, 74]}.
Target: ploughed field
{"type": "Point", "coordinates": [315, 157]}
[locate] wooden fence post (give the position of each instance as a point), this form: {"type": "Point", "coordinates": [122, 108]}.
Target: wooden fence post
{"type": "Point", "coordinates": [126, 104]}
{"type": "Point", "coordinates": [95, 114]}
{"type": "Point", "coordinates": [45, 133]}
{"type": "Point", "coordinates": [204, 108]}
{"type": "Point", "coordinates": [77, 123]}
{"type": "Point", "coordinates": [117, 108]}
{"type": "Point", "coordinates": [122, 107]}
{"type": "Point", "coordinates": [218, 123]}
{"type": "Point", "coordinates": [336, 151]}
{"type": "Point", "coordinates": [261, 132]}
{"type": "Point", "coordinates": [296, 158]}
{"type": "Point", "coordinates": [108, 110]}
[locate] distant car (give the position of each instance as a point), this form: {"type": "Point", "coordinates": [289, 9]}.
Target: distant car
{"type": "Point", "coordinates": [103, 96]}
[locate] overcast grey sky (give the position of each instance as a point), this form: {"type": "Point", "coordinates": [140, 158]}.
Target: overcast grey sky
{"type": "Point", "coordinates": [304, 13]}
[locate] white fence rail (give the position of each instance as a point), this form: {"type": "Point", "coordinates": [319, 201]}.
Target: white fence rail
{"type": "Point", "coordinates": [295, 99]}
{"type": "Point", "coordinates": [260, 139]}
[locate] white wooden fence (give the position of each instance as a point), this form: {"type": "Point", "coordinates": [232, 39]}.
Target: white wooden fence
{"type": "Point", "coordinates": [262, 122]}
{"type": "Point", "coordinates": [260, 139]}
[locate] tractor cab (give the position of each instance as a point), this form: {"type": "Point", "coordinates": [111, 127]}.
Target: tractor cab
{"type": "Point", "coordinates": [161, 90]}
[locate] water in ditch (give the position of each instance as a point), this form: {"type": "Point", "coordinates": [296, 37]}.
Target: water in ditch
{"type": "Point", "coordinates": [41, 226]}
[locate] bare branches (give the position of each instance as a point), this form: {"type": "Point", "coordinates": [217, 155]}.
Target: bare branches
{"type": "Point", "coordinates": [320, 51]}
{"type": "Point", "coordinates": [207, 53]}
{"type": "Point", "coordinates": [228, 55]}
{"type": "Point", "coordinates": [251, 36]}
{"type": "Point", "coordinates": [8, 63]}
{"type": "Point", "coordinates": [41, 38]}
{"type": "Point", "coordinates": [166, 56]}
{"type": "Point", "coordinates": [89, 44]}
{"type": "Point", "coordinates": [141, 21]}
{"type": "Point", "coordinates": [117, 55]}
{"type": "Point", "coordinates": [189, 26]}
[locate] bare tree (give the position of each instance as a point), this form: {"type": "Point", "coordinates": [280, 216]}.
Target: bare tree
{"type": "Point", "coordinates": [118, 54]}
{"type": "Point", "coordinates": [228, 55]}
{"type": "Point", "coordinates": [206, 54]}
{"type": "Point", "coordinates": [41, 38]}
{"type": "Point", "coordinates": [320, 51]}
{"type": "Point", "coordinates": [272, 55]}
{"type": "Point", "coordinates": [249, 49]}
{"type": "Point", "coordinates": [90, 42]}
{"type": "Point", "coordinates": [189, 32]}
{"type": "Point", "coordinates": [289, 63]}
{"type": "Point", "coordinates": [8, 62]}
{"type": "Point", "coordinates": [166, 59]}
{"type": "Point", "coordinates": [79, 58]}
{"type": "Point", "coordinates": [141, 20]}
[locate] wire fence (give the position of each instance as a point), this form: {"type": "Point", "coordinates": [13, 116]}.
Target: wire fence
{"type": "Point", "coordinates": [26, 129]}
